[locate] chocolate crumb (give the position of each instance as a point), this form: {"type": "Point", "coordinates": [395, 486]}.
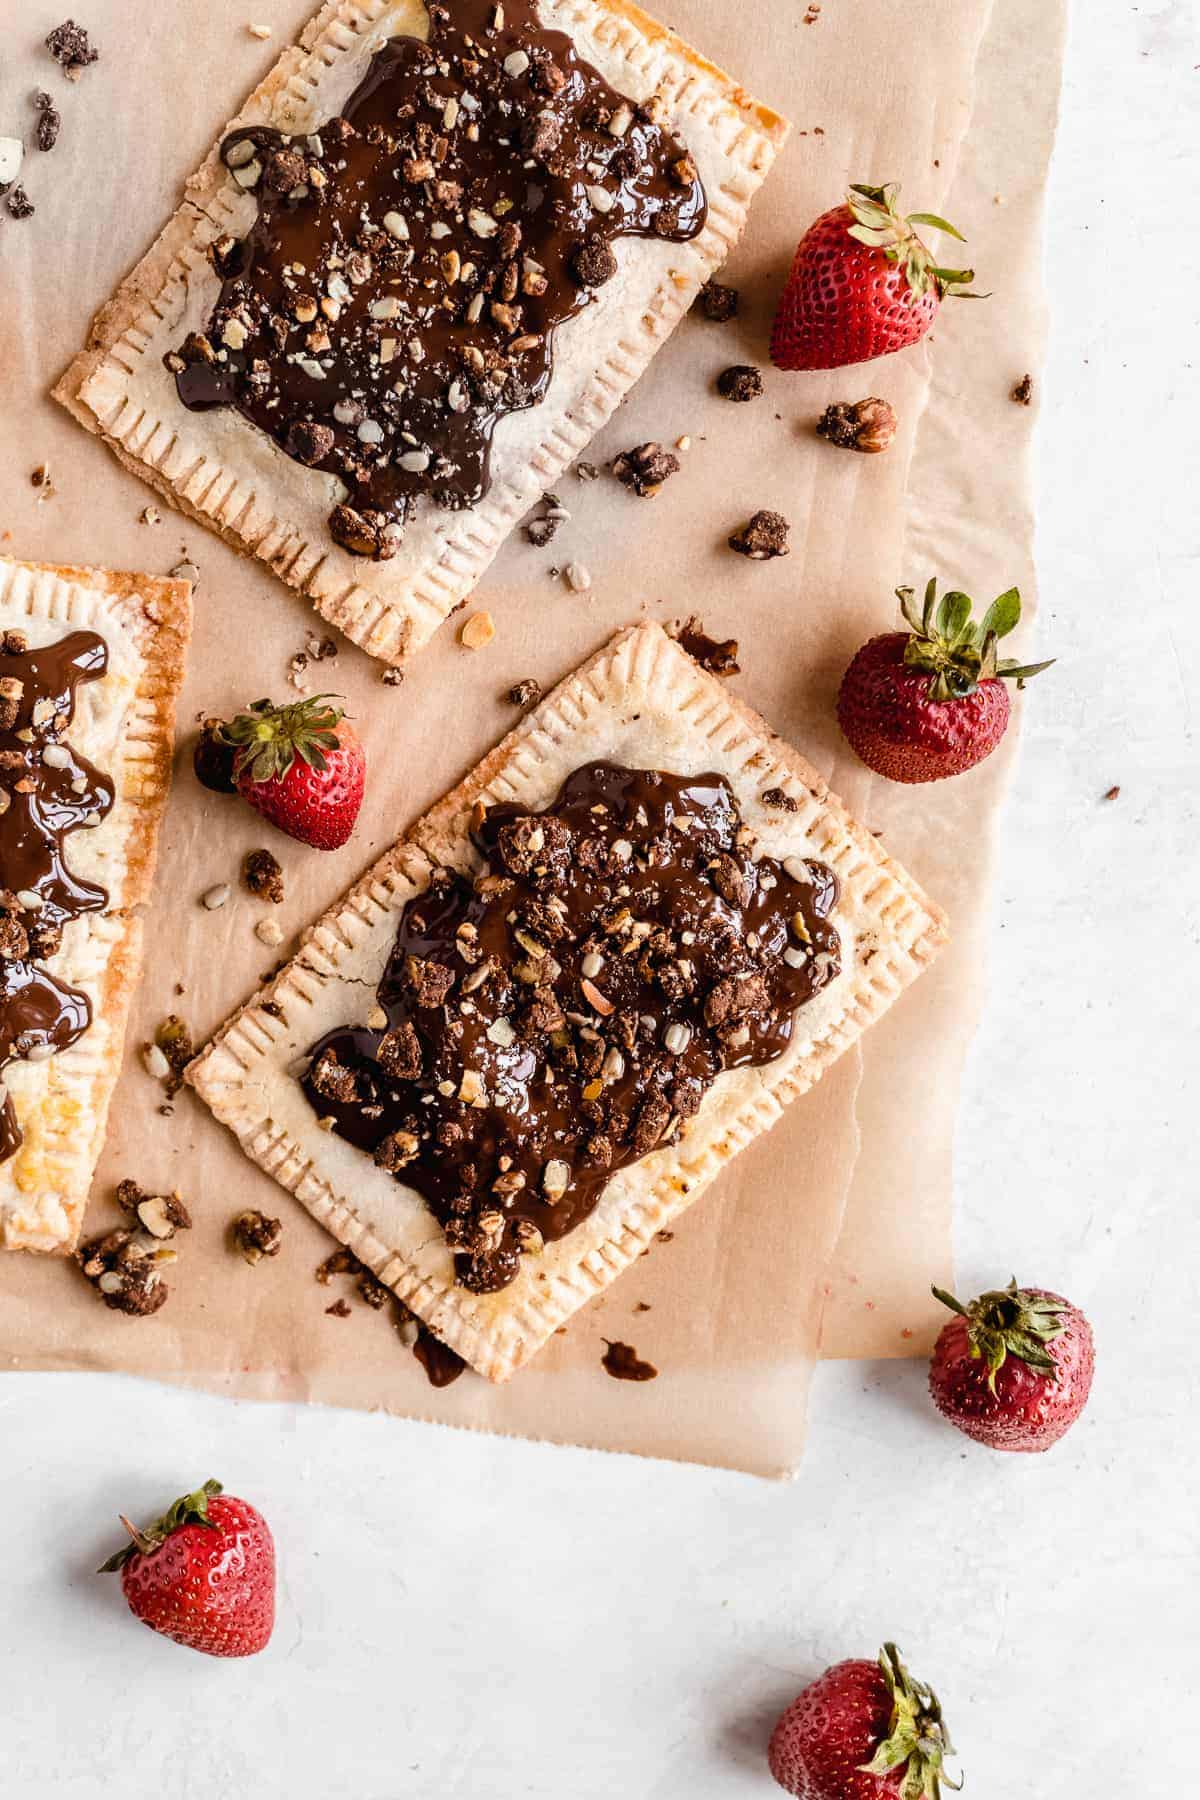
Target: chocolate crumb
{"type": "Point", "coordinates": [1114, 793]}
{"type": "Point", "coordinates": [525, 693]}
{"type": "Point", "coordinates": [775, 796]}
{"type": "Point", "coordinates": [255, 1235]}
{"type": "Point", "coordinates": [868, 425]}
{"type": "Point", "coordinates": [1023, 392]}
{"type": "Point", "coordinates": [175, 1041]}
{"type": "Point", "coordinates": [623, 1363]}
{"type": "Point", "coordinates": [718, 656]}
{"type": "Point", "coordinates": [162, 1215]}
{"type": "Point", "coordinates": [540, 531]}
{"type": "Point", "coordinates": [740, 382]}
{"type": "Point", "coordinates": [71, 48]}
{"type": "Point", "coordinates": [644, 469]}
{"type": "Point", "coordinates": [717, 303]}
{"type": "Point", "coordinates": [592, 263]}
{"type": "Point", "coordinates": [586, 471]}
{"type": "Point", "coordinates": [765, 536]}
{"type": "Point", "coordinates": [392, 677]}
{"type": "Point", "coordinates": [339, 1310]}
{"type": "Point", "coordinates": [49, 121]}
{"type": "Point", "coordinates": [373, 1291]}
{"type": "Point", "coordinates": [339, 1262]}
{"type": "Point", "coordinates": [19, 204]}
{"type": "Point", "coordinates": [125, 1275]}
{"type": "Point", "coordinates": [263, 876]}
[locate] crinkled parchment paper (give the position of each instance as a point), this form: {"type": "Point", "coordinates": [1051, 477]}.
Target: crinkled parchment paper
{"type": "Point", "coordinates": [844, 1208]}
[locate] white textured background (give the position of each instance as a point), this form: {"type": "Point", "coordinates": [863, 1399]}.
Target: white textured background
{"type": "Point", "coordinates": [449, 1625]}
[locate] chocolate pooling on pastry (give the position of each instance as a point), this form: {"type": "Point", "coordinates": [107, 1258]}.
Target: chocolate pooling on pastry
{"type": "Point", "coordinates": [563, 1013]}
{"type": "Point", "coordinates": [47, 791]}
{"type": "Point", "coordinates": [412, 259]}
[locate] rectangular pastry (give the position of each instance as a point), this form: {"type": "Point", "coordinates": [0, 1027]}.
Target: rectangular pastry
{"type": "Point", "coordinates": [90, 664]}
{"type": "Point", "coordinates": [601, 966]}
{"type": "Point", "coordinates": [413, 279]}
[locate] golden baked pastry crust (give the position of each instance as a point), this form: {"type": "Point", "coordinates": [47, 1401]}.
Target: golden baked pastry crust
{"type": "Point", "coordinates": [644, 702]}
{"type": "Point", "coordinates": [221, 470]}
{"type": "Point", "coordinates": [125, 723]}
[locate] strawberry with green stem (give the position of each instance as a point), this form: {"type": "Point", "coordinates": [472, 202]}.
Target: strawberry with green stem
{"type": "Point", "coordinates": [1013, 1369]}
{"type": "Point", "coordinates": [922, 704]}
{"type": "Point", "coordinates": [301, 766]}
{"type": "Point", "coordinates": [203, 1574]}
{"type": "Point", "coordinates": [862, 284]}
{"type": "Point", "coordinates": [863, 1731]}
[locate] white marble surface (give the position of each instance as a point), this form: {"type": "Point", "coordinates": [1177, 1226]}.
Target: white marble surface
{"type": "Point", "coordinates": [449, 1627]}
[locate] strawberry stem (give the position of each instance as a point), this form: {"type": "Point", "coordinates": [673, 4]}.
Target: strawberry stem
{"type": "Point", "coordinates": [189, 1509]}
{"type": "Point", "coordinates": [957, 651]}
{"type": "Point", "coordinates": [880, 224]}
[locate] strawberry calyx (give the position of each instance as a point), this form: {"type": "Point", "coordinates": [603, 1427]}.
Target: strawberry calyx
{"type": "Point", "coordinates": [189, 1509]}
{"type": "Point", "coordinates": [917, 1739]}
{"type": "Point", "coordinates": [1010, 1321]}
{"type": "Point", "coordinates": [267, 739]}
{"type": "Point", "coordinates": [879, 223]}
{"type": "Point", "coordinates": [956, 650]}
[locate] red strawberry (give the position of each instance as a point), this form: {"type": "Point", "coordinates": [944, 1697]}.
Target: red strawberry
{"type": "Point", "coordinates": [862, 1730]}
{"type": "Point", "coordinates": [203, 1574]}
{"type": "Point", "coordinates": [300, 766]}
{"type": "Point", "coordinates": [1014, 1369]}
{"type": "Point", "coordinates": [922, 704]}
{"type": "Point", "coordinates": [862, 284]}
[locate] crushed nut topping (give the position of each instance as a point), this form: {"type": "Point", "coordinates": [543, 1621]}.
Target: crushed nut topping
{"type": "Point", "coordinates": [564, 1013]}
{"type": "Point", "coordinates": [71, 49]}
{"type": "Point", "coordinates": [255, 1235]}
{"type": "Point", "coordinates": [262, 873]}
{"type": "Point", "coordinates": [765, 536]}
{"type": "Point", "coordinates": [126, 1271]}
{"type": "Point", "coordinates": [162, 1215]}
{"type": "Point", "coordinates": [741, 382]}
{"type": "Point", "coordinates": [644, 469]}
{"type": "Point", "coordinates": [867, 426]}
{"type": "Point", "coordinates": [49, 121]}
{"type": "Point", "coordinates": [411, 260]}
{"type": "Point", "coordinates": [720, 304]}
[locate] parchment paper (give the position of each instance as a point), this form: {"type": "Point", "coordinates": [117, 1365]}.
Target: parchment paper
{"type": "Point", "coordinates": [877, 90]}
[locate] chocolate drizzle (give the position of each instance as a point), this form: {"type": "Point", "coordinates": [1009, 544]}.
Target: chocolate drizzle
{"type": "Point", "coordinates": [565, 1013]}
{"type": "Point", "coordinates": [411, 260]}
{"type": "Point", "coordinates": [47, 791]}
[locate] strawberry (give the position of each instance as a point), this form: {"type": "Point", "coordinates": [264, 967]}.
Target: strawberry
{"type": "Point", "coordinates": [1014, 1369]}
{"type": "Point", "coordinates": [922, 704]}
{"type": "Point", "coordinates": [203, 1574]}
{"type": "Point", "coordinates": [301, 766]}
{"type": "Point", "coordinates": [862, 1730]}
{"type": "Point", "coordinates": [862, 284]}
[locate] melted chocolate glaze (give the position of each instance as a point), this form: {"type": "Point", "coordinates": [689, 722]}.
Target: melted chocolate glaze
{"type": "Point", "coordinates": [560, 1016]}
{"type": "Point", "coordinates": [623, 1363]}
{"type": "Point", "coordinates": [411, 261]}
{"type": "Point", "coordinates": [46, 792]}
{"type": "Point", "coordinates": [441, 1364]}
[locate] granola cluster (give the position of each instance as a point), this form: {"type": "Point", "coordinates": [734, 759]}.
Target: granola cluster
{"type": "Point", "coordinates": [564, 1013]}
{"type": "Point", "coordinates": [410, 261]}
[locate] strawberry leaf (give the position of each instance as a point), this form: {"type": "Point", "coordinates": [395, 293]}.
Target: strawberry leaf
{"type": "Point", "coordinates": [938, 224]}
{"type": "Point", "coordinates": [1003, 615]}
{"type": "Point", "coordinates": [917, 1739]}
